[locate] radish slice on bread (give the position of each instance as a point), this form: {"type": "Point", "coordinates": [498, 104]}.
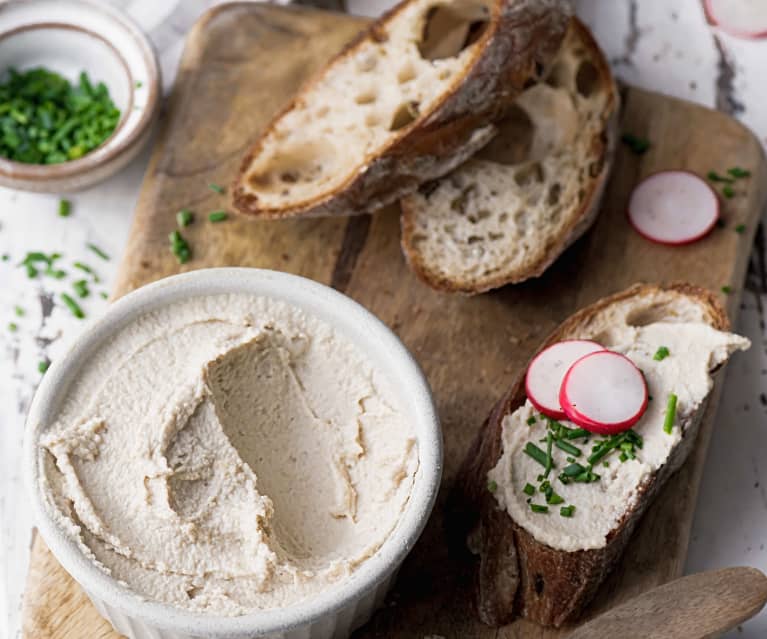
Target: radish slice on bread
{"type": "Point", "coordinates": [547, 370]}
{"type": "Point", "coordinates": [741, 18]}
{"type": "Point", "coordinates": [604, 392]}
{"type": "Point", "coordinates": [673, 207]}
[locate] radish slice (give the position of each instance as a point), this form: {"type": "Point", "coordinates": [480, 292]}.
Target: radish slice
{"type": "Point", "coordinates": [604, 393]}
{"type": "Point", "coordinates": [673, 207]}
{"type": "Point", "coordinates": [547, 370]}
{"type": "Point", "coordinates": [741, 18]}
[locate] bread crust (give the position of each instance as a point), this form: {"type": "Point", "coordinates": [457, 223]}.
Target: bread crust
{"type": "Point", "coordinates": [515, 49]}
{"type": "Point", "coordinates": [517, 576]}
{"type": "Point", "coordinates": [602, 146]}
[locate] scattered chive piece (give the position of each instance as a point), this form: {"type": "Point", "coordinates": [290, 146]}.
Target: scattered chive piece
{"type": "Point", "coordinates": [728, 191]}
{"type": "Point", "coordinates": [567, 511]}
{"type": "Point", "coordinates": [217, 188]}
{"type": "Point", "coordinates": [217, 216]}
{"type": "Point", "coordinates": [73, 306]}
{"type": "Point", "coordinates": [606, 464]}
{"type": "Point", "coordinates": [573, 470]}
{"type": "Point", "coordinates": [529, 489]}
{"type": "Point", "coordinates": [492, 486]}
{"type": "Point", "coordinates": [6, 257]}
{"type": "Point", "coordinates": [179, 247]}
{"type": "Point", "coordinates": [104, 295]}
{"type": "Point", "coordinates": [43, 366]}
{"type": "Point", "coordinates": [13, 327]}
{"type": "Point", "coordinates": [715, 177]}
{"type": "Point", "coordinates": [668, 422]}
{"type": "Point", "coordinates": [20, 312]}
{"type": "Point", "coordinates": [568, 447]}
{"type": "Point", "coordinates": [536, 453]}
{"type": "Point", "coordinates": [726, 289]}
{"type": "Point", "coordinates": [65, 208]}
{"type": "Point", "coordinates": [139, 84]}
{"type": "Point", "coordinates": [81, 288]}
{"type": "Point", "coordinates": [737, 172]}
{"type": "Point", "coordinates": [575, 433]}
{"type": "Point", "coordinates": [637, 145]}
{"type": "Point", "coordinates": [549, 458]}
{"type": "Point", "coordinates": [98, 251]}
{"type": "Point", "coordinates": [740, 228]}
{"type": "Point", "coordinates": [184, 217]}
{"type": "Point", "coordinates": [553, 499]}
{"type": "Point", "coordinates": [661, 354]}
{"type": "Point", "coordinates": [537, 508]}
{"type": "Point", "coordinates": [87, 269]}
{"type": "Point", "coordinates": [531, 420]}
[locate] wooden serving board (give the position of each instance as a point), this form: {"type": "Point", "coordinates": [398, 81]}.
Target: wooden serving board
{"type": "Point", "coordinates": [241, 64]}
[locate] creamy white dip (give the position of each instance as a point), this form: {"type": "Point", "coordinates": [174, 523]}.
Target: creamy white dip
{"type": "Point", "coordinates": [694, 350]}
{"type": "Point", "coordinates": [229, 453]}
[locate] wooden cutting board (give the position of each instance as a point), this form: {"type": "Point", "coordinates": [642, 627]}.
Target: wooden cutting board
{"type": "Point", "coordinates": [241, 64]}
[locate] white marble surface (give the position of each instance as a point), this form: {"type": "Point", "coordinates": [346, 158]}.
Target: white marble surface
{"type": "Point", "coordinates": [653, 43]}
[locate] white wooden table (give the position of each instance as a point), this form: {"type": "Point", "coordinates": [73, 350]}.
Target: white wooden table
{"type": "Point", "coordinates": [656, 44]}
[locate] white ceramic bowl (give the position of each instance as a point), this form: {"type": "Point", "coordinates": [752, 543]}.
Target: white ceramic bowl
{"type": "Point", "coordinates": [335, 612]}
{"type": "Point", "coordinates": [69, 36]}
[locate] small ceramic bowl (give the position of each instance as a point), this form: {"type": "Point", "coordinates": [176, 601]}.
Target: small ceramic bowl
{"type": "Point", "coordinates": [70, 36]}
{"type": "Point", "coordinates": [334, 613]}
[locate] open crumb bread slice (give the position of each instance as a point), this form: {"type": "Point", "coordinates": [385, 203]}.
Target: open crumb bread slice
{"type": "Point", "coordinates": [507, 213]}
{"type": "Point", "coordinates": [516, 574]}
{"type": "Point", "coordinates": [407, 101]}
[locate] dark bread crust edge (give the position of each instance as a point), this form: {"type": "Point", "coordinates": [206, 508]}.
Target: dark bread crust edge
{"type": "Point", "coordinates": [517, 576]}
{"type": "Point", "coordinates": [603, 148]}
{"type": "Point", "coordinates": [441, 139]}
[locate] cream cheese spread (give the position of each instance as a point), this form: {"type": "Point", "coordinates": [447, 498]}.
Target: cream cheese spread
{"type": "Point", "coordinates": [229, 453]}
{"type": "Point", "coordinates": [694, 350]}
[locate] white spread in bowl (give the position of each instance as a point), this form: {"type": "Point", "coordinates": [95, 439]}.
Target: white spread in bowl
{"type": "Point", "coordinates": [228, 453]}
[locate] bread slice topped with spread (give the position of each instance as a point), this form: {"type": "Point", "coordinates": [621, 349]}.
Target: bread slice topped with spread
{"type": "Point", "coordinates": [407, 101]}
{"type": "Point", "coordinates": [507, 213]}
{"type": "Point", "coordinates": [547, 505]}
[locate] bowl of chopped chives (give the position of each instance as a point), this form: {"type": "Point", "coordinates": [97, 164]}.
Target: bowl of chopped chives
{"type": "Point", "coordinates": [79, 93]}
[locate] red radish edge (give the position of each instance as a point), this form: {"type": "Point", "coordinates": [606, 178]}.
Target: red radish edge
{"type": "Point", "coordinates": [693, 238]}
{"type": "Point", "coordinates": [554, 413]}
{"type": "Point", "coordinates": [588, 423]}
{"type": "Point", "coordinates": [738, 33]}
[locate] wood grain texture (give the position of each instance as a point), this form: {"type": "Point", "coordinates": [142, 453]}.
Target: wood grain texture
{"type": "Point", "coordinates": [701, 606]}
{"type": "Point", "coordinates": [241, 64]}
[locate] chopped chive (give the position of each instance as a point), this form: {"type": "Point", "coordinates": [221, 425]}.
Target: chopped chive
{"type": "Point", "coordinates": [65, 208]}
{"type": "Point", "coordinates": [536, 453]}
{"type": "Point", "coordinates": [81, 288]}
{"type": "Point", "coordinates": [531, 420]}
{"type": "Point", "coordinates": [726, 289]}
{"type": "Point", "coordinates": [217, 216]}
{"type": "Point", "coordinates": [715, 177]}
{"type": "Point", "coordinates": [553, 499]}
{"type": "Point", "coordinates": [529, 489]}
{"type": "Point", "coordinates": [184, 217]}
{"type": "Point", "coordinates": [217, 188]}
{"type": "Point", "coordinates": [728, 192]}
{"type": "Point", "coordinates": [98, 251]}
{"type": "Point", "coordinates": [567, 511]}
{"type": "Point", "coordinates": [661, 354]}
{"type": "Point", "coordinates": [6, 257]}
{"type": "Point", "coordinates": [139, 84]}
{"type": "Point", "coordinates": [668, 422]}
{"type": "Point", "coordinates": [104, 295]}
{"type": "Point", "coordinates": [606, 464]}
{"type": "Point", "coordinates": [738, 173]}
{"type": "Point", "coordinates": [179, 247]}
{"type": "Point", "coordinates": [537, 508]}
{"type": "Point", "coordinates": [740, 228]}
{"type": "Point", "coordinates": [20, 312]}
{"type": "Point", "coordinates": [573, 470]}
{"type": "Point", "coordinates": [568, 447]}
{"type": "Point", "coordinates": [637, 145]}
{"type": "Point", "coordinates": [492, 486]}
{"type": "Point", "coordinates": [13, 327]}
{"type": "Point", "coordinates": [549, 458]}
{"type": "Point", "coordinates": [73, 306]}
{"type": "Point", "coordinates": [576, 433]}
{"type": "Point", "coordinates": [43, 366]}
{"type": "Point", "coordinates": [87, 269]}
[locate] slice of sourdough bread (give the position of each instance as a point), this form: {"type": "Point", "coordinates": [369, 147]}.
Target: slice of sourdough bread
{"type": "Point", "coordinates": [518, 574]}
{"type": "Point", "coordinates": [407, 101]}
{"type": "Point", "coordinates": [509, 212]}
